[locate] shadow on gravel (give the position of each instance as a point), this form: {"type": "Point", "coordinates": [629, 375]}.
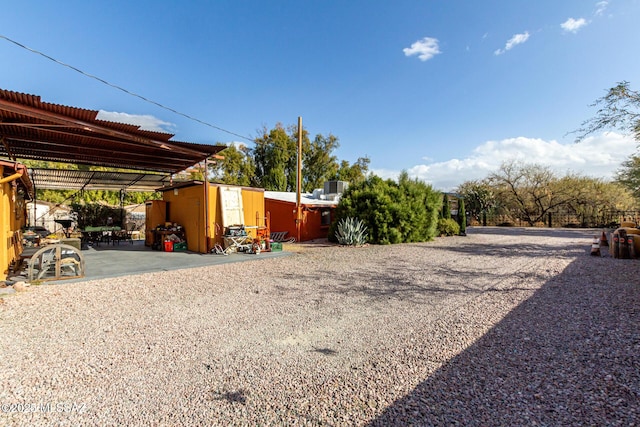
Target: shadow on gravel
{"type": "Point", "coordinates": [508, 250]}
{"type": "Point", "coordinates": [406, 281]}
{"type": "Point", "coordinates": [569, 355]}
{"type": "Point", "coordinates": [325, 351]}
{"type": "Point", "coordinates": [232, 396]}
{"type": "Point", "coordinates": [394, 284]}
{"type": "Point", "coordinates": [536, 231]}
{"type": "Point", "coordinates": [582, 237]}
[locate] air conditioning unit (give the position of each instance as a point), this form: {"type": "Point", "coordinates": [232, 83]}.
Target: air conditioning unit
{"type": "Point", "coordinates": [335, 187]}
{"type": "Point", "coordinates": [317, 193]}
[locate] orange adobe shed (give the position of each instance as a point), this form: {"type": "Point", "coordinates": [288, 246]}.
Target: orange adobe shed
{"type": "Point", "coordinates": [317, 214]}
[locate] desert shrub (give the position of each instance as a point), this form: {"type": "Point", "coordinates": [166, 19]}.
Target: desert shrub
{"type": "Point", "coordinates": [393, 212]}
{"type": "Point", "coordinates": [448, 227]}
{"type": "Point", "coordinates": [351, 232]}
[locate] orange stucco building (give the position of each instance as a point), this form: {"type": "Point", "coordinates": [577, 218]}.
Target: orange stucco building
{"type": "Point", "coordinates": [15, 189]}
{"type": "Point", "coordinates": [317, 215]}
{"type": "Point", "coordinates": [202, 214]}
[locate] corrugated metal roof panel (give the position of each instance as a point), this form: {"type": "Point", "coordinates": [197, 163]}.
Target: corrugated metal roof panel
{"type": "Point", "coordinates": [32, 129]}
{"type": "Point", "coordinates": [66, 179]}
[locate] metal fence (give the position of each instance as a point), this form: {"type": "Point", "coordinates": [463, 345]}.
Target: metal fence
{"type": "Point", "coordinates": [608, 219]}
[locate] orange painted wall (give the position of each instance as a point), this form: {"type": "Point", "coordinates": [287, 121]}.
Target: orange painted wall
{"type": "Point", "coordinates": [5, 227]}
{"type": "Point", "coordinates": [185, 208]}
{"type": "Point", "coordinates": [12, 220]}
{"type": "Point", "coordinates": [252, 206]}
{"type": "Point", "coordinates": [283, 218]}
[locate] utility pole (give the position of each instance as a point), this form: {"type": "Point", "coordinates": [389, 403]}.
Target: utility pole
{"type": "Point", "coordinates": [299, 181]}
{"type": "Point", "coordinates": [207, 228]}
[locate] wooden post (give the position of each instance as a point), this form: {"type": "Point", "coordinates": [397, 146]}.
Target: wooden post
{"type": "Point", "coordinates": [299, 181]}
{"type": "Point", "coordinates": [207, 229]}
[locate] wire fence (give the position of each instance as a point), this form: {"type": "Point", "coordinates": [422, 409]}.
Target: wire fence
{"type": "Point", "coordinates": [605, 219]}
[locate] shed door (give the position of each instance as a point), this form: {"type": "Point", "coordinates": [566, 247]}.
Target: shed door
{"type": "Point", "coordinates": [231, 204]}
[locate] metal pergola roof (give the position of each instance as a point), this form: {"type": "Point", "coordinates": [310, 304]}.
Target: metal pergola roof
{"type": "Point", "coordinates": [65, 179]}
{"type": "Point", "coordinates": [36, 130]}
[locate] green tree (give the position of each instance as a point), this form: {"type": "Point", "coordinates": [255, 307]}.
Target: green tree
{"type": "Point", "coordinates": [596, 199]}
{"type": "Point", "coordinates": [462, 217]}
{"type": "Point", "coordinates": [97, 213]}
{"type": "Point", "coordinates": [531, 191]}
{"type": "Point", "coordinates": [275, 159]}
{"type": "Point", "coordinates": [353, 173]}
{"type": "Point", "coordinates": [479, 198]}
{"type": "Point", "coordinates": [445, 213]}
{"type": "Point", "coordinates": [618, 109]}
{"type": "Point", "coordinates": [629, 175]}
{"type": "Point", "coordinates": [237, 167]}
{"type": "Point", "coordinates": [319, 165]}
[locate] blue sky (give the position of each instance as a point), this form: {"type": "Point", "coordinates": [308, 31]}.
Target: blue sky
{"type": "Point", "coordinates": [445, 89]}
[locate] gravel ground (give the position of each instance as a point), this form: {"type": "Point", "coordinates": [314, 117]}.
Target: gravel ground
{"type": "Point", "coordinates": [502, 327]}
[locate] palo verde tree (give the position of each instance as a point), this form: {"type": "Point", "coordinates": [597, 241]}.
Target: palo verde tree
{"type": "Point", "coordinates": [596, 198]}
{"type": "Point", "coordinates": [618, 109]}
{"type": "Point", "coordinates": [531, 191]}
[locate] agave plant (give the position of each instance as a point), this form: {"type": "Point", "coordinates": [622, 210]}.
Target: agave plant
{"type": "Point", "coordinates": [351, 232]}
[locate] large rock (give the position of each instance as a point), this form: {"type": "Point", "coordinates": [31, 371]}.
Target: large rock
{"type": "Point", "coordinates": [20, 286]}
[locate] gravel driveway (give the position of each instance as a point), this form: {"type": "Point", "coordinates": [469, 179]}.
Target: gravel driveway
{"type": "Point", "coordinates": [506, 326]}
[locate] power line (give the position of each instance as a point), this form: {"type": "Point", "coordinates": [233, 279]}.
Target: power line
{"type": "Point", "coordinates": [123, 89]}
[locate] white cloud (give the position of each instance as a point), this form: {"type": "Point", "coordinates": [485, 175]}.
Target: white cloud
{"type": "Point", "coordinates": [573, 25]}
{"type": "Point", "coordinates": [238, 144]}
{"type": "Point", "coordinates": [513, 42]}
{"type": "Point", "coordinates": [146, 122]}
{"type": "Point", "coordinates": [597, 156]}
{"type": "Point", "coordinates": [601, 6]}
{"type": "Point", "coordinates": [426, 49]}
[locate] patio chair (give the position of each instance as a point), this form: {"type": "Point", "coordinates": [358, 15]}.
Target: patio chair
{"type": "Point", "coordinates": [279, 236]}
{"type": "Point", "coordinates": [124, 234]}
{"type": "Point", "coordinates": [47, 262]}
{"type": "Point", "coordinates": [129, 229]}
{"type": "Point", "coordinates": [56, 262]}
